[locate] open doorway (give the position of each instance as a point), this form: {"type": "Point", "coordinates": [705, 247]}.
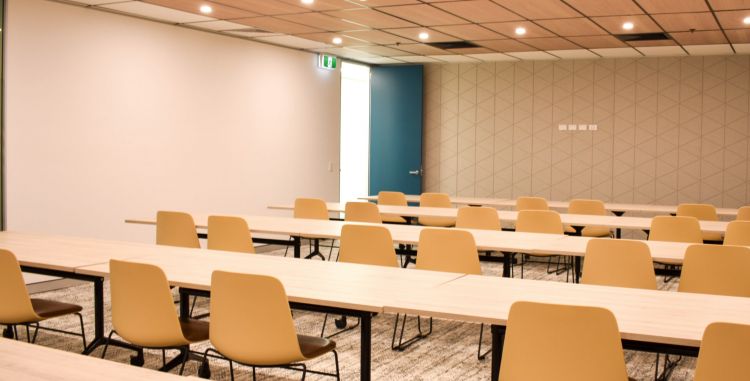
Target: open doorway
{"type": "Point", "coordinates": [355, 131]}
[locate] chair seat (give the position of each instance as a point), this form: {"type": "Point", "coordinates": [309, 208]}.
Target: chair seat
{"type": "Point", "coordinates": [194, 330]}
{"type": "Point", "coordinates": [712, 236]}
{"type": "Point", "coordinates": [445, 222]}
{"type": "Point", "coordinates": [49, 308]}
{"type": "Point", "coordinates": [392, 218]}
{"type": "Point", "coordinates": [590, 231]}
{"type": "Point", "coordinates": [314, 346]}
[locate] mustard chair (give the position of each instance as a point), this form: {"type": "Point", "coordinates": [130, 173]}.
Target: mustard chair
{"type": "Point", "coordinates": [436, 200]}
{"type": "Point", "coordinates": [592, 207]}
{"type": "Point", "coordinates": [531, 203]}
{"type": "Point", "coordinates": [724, 351]}
{"type": "Point", "coordinates": [251, 324]}
{"type": "Point", "coordinates": [738, 233]}
{"type": "Point", "coordinates": [446, 250]}
{"type": "Point", "coordinates": [312, 209]}
{"type": "Point", "coordinates": [674, 229]}
{"type": "Point", "coordinates": [229, 234]}
{"type": "Point", "coordinates": [144, 315]}
{"type": "Point", "coordinates": [703, 212]}
{"type": "Point", "coordinates": [542, 221]}
{"type": "Point", "coordinates": [743, 213]}
{"type": "Point", "coordinates": [574, 343]}
{"type": "Point", "coordinates": [718, 270]}
{"type": "Point", "coordinates": [176, 229]}
{"type": "Point", "coordinates": [362, 212]}
{"type": "Point", "coordinates": [395, 199]}
{"type": "Point", "coordinates": [17, 308]}
{"type": "Point", "coordinates": [365, 245]}
{"type": "Point", "coordinates": [619, 263]}
{"type": "Point", "coordinates": [483, 218]}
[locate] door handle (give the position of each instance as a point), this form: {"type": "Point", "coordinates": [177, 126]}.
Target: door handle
{"type": "Point", "coordinates": [416, 172]}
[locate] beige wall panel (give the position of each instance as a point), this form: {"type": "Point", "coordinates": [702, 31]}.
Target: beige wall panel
{"type": "Point", "coordinates": [583, 113]}
{"type": "Point", "coordinates": [448, 128]}
{"type": "Point", "coordinates": [562, 113]}
{"type": "Point", "coordinates": [736, 132]}
{"type": "Point", "coordinates": [542, 129]}
{"type": "Point", "coordinates": [645, 133]}
{"type": "Point", "coordinates": [623, 184]}
{"type": "Point", "coordinates": [713, 120]}
{"type": "Point", "coordinates": [667, 130]}
{"type": "Point", "coordinates": [467, 122]}
{"type": "Point", "coordinates": [604, 107]}
{"type": "Point", "coordinates": [523, 113]}
{"type": "Point", "coordinates": [691, 106]}
{"type": "Point", "coordinates": [503, 157]}
{"type": "Point", "coordinates": [485, 129]}
{"type": "Point", "coordinates": [431, 152]}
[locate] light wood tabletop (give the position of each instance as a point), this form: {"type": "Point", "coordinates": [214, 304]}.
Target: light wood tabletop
{"type": "Point", "coordinates": [31, 362]}
{"type": "Point", "coordinates": [615, 222]}
{"type": "Point", "coordinates": [611, 206]}
{"type": "Point", "coordinates": [642, 315]}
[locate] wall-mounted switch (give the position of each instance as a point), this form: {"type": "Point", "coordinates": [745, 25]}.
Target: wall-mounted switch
{"type": "Point", "coordinates": [593, 127]}
{"type": "Point", "coordinates": [562, 127]}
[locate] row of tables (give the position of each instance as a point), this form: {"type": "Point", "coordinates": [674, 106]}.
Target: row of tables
{"type": "Point", "coordinates": [660, 321]}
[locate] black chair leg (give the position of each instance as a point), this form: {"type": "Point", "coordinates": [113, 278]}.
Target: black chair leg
{"type": "Point", "coordinates": [83, 332]}
{"type": "Point", "coordinates": [185, 357]}
{"type": "Point", "coordinates": [106, 343]}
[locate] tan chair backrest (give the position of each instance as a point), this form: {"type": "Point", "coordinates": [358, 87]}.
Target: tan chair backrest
{"type": "Point", "coordinates": [531, 203]}
{"type": "Point", "coordinates": [738, 233]}
{"type": "Point", "coordinates": [229, 234]}
{"type": "Point", "coordinates": [539, 221]}
{"type": "Point", "coordinates": [470, 217]}
{"type": "Point", "coordinates": [675, 229]}
{"type": "Point", "coordinates": [15, 306]}
{"type": "Point", "coordinates": [310, 208]}
{"type": "Point", "coordinates": [435, 200]}
{"type": "Point", "coordinates": [251, 321]}
{"type": "Point", "coordinates": [176, 229]}
{"type": "Point", "coordinates": [716, 269]}
{"type": "Point", "coordinates": [448, 250]}
{"type": "Point", "coordinates": [362, 212]}
{"type": "Point", "coordinates": [581, 206]}
{"type": "Point", "coordinates": [367, 245]}
{"type": "Point", "coordinates": [392, 198]}
{"type": "Point", "coordinates": [725, 348]}
{"type": "Point", "coordinates": [562, 343]}
{"type": "Point", "coordinates": [143, 311]}
{"type": "Point", "coordinates": [619, 263]}
{"type": "Point", "coordinates": [743, 213]}
{"type": "Point", "coordinates": [705, 212]}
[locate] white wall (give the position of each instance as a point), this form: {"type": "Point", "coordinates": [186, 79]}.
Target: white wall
{"type": "Point", "coordinates": [109, 117]}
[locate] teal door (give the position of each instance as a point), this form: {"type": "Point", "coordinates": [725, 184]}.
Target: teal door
{"type": "Point", "coordinates": [396, 129]}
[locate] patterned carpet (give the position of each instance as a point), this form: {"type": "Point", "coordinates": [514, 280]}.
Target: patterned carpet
{"type": "Point", "coordinates": [448, 354]}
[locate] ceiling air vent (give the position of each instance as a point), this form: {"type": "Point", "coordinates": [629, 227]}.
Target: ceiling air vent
{"type": "Point", "coordinates": [453, 45]}
{"type": "Point", "coordinates": [642, 37]}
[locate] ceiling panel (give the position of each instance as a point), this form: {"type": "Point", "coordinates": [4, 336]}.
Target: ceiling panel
{"type": "Point", "coordinates": [371, 18]}
{"type": "Point", "coordinates": [479, 11]}
{"type": "Point", "coordinates": [617, 52]}
{"type": "Point", "coordinates": [738, 36]}
{"type": "Point", "coordinates": [327, 38]}
{"type": "Point", "coordinates": [741, 48]}
{"type": "Point", "coordinates": [456, 59]}
{"type": "Point", "coordinates": [533, 56]}
{"type": "Point", "coordinates": [218, 25]}
{"type": "Point", "coordinates": [273, 24]}
{"type": "Point", "coordinates": [469, 32]}
{"type": "Point", "coordinates": [416, 59]}
{"type": "Point", "coordinates": [672, 6]}
{"type": "Point", "coordinates": [382, 51]}
{"type": "Point", "coordinates": [551, 43]}
{"type": "Point", "coordinates": [422, 49]}
{"type": "Point", "coordinates": [682, 22]}
{"type": "Point", "coordinates": [509, 29]}
{"type": "Point", "coordinates": [539, 9]}
{"type": "Point", "coordinates": [385, 3]}
{"type": "Point", "coordinates": [413, 34]}
{"type": "Point", "coordinates": [662, 51]}
{"type": "Point", "coordinates": [264, 7]}
{"type": "Point", "coordinates": [378, 37]}
{"type": "Point", "coordinates": [709, 50]}
{"type": "Point", "coordinates": [572, 27]}
{"type": "Point", "coordinates": [157, 12]}
{"type": "Point", "coordinates": [637, 44]}
{"type": "Point", "coordinates": [596, 42]}
{"type": "Point", "coordinates": [732, 19]}
{"type": "Point", "coordinates": [292, 41]}
{"type": "Point", "coordinates": [699, 38]}
{"type": "Point", "coordinates": [729, 4]}
{"type": "Point", "coordinates": [321, 21]}
{"type": "Point", "coordinates": [327, 5]}
{"type": "Point", "coordinates": [606, 7]}
{"type": "Point", "coordinates": [423, 14]}
{"type": "Point", "coordinates": [219, 11]}
{"type": "Point", "coordinates": [574, 54]}
{"type": "Point", "coordinates": [492, 57]}
{"type": "Point", "coordinates": [641, 24]}
{"type": "Point", "coordinates": [506, 45]}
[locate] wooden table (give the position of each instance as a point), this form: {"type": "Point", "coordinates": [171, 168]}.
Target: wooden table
{"type": "Point", "coordinates": [578, 221]}
{"type": "Point", "coordinates": [614, 207]}
{"type": "Point", "coordinates": [23, 361]}
{"type": "Point", "coordinates": [649, 320]}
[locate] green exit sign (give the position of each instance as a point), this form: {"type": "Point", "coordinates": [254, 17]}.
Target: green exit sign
{"type": "Point", "coordinates": [327, 62]}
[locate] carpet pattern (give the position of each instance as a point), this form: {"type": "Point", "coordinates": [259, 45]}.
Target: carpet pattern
{"type": "Point", "coordinates": [448, 354]}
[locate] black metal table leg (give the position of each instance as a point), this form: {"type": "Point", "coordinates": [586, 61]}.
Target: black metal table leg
{"type": "Point", "coordinates": [498, 333]}
{"type": "Point", "coordinates": [184, 304]}
{"type": "Point", "coordinates": [578, 229]}
{"type": "Point", "coordinates": [365, 356]}
{"type": "Point", "coordinates": [618, 231]}
{"type": "Point", "coordinates": [577, 269]}
{"type": "Point", "coordinates": [297, 246]}
{"type": "Point", "coordinates": [507, 258]}
{"type": "Point", "coordinates": [98, 316]}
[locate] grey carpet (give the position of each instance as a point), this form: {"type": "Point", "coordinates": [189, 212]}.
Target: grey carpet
{"type": "Point", "coordinates": [448, 354]}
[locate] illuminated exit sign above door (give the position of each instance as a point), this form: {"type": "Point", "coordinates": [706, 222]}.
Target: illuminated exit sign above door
{"type": "Point", "coordinates": [327, 62]}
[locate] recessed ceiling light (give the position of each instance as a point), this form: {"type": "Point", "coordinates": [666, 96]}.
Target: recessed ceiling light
{"type": "Point", "coordinates": [337, 40]}
{"type": "Point", "coordinates": [308, 1]}
{"type": "Point", "coordinates": [206, 9]}
{"type": "Point", "coordinates": [627, 26]}
{"type": "Point", "coordinates": [520, 31]}
{"type": "Point", "coordinates": [424, 35]}
{"type": "Point", "coordinates": [746, 20]}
